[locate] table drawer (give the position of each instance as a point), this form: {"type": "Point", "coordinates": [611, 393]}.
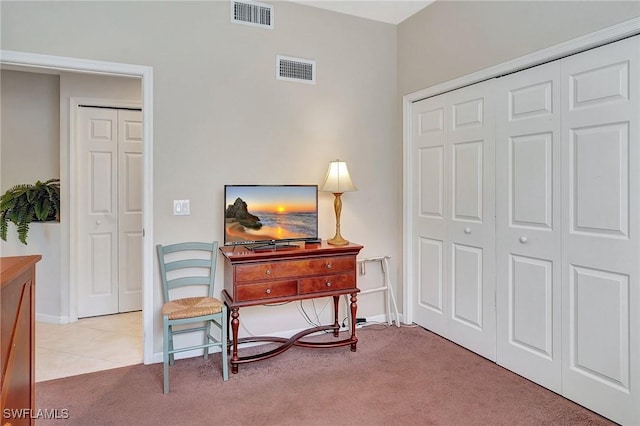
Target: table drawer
{"type": "Point", "coordinates": [293, 268]}
{"type": "Point", "coordinates": [266, 290]}
{"type": "Point", "coordinates": [256, 272]}
{"type": "Point", "coordinates": [329, 265]}
{"type": "Point", "coordinates": [327, 283]}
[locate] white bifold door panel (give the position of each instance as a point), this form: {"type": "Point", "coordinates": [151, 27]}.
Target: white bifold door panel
{"type": "Point", "coordinates": [551, 290]}
{"type": "Point", "coordinates": [429, 196]}
{"type": "Point", "coordinates": [129, 210]}
{"type": "Point", "coordinates": [453, 216]}
{"type": "Point", "coordinates": [528, 256]}
{"type": "Point", "coordinates": [472, 218]}
{"type": "Point", "coordinates": [600, 230]}
{"type": "Point", "coordinates": [109, 210]}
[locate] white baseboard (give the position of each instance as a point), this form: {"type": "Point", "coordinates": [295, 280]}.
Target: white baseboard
{"type": "Point", "coordinates": [51, 319]}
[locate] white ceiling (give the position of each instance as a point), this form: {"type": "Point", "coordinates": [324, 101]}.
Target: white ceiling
{"type": "Point", "coordinates": [391, 11]}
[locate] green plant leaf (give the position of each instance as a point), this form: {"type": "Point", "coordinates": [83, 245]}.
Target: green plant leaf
{"type": "Point", "coordinates": [23, 203]}
{"type": "Point", "coordinates": [4, 222]}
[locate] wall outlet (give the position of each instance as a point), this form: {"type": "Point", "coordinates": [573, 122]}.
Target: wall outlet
{"type": "Point", "coordinates": [181, 207]}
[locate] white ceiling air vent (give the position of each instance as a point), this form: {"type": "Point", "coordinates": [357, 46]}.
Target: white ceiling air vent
{"type": "Point", "coordinates": [252, 13]}
{"type": "Point", "coordinates": [295, 69]}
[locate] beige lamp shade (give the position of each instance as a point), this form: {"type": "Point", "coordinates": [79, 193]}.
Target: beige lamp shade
{"type": "Point", "coordinates": [338, 179]}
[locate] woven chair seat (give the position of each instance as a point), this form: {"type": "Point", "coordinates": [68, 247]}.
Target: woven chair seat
{"type": "Point", "coordinates": [190, 307]}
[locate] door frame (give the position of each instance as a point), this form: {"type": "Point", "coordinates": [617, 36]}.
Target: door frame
{"type": "Point", "coordinates": [145, 73]}
{"type": "Point", "coordinates": [74, 209]}
{"type": "Point", "coordinates": [597, 38]}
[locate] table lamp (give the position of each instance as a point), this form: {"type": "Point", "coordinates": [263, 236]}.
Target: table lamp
{"type": "Point", "coordinates": [338, 181]}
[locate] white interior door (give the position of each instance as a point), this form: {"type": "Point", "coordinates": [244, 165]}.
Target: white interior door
{"type": "Point", "coordinates": [452, 187]}
{"type": "Point", "coordinates": [470, 125]}
{"type": "Point", "coordinates": [100, 161]}
{"type": "Point", "coordinates": [429, 252]}
{"type": "Point", "coordinates": [130, 210]}
{"type": "Point", "coordinates": [601, 240]}
{"type": "Point", "coordinates": [567, 188]}
{"type": "Point", "coordinates": [528, 247]}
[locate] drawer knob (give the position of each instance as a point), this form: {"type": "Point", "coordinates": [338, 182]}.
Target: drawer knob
{"type": "Point", "coordinates": [329, 266]}
{"type": "Point", "coordinates": [328, 283]}
{"type": "Point", "coordinates": [268, 272]}
{"type": "Point", "coordinates": [524, 239]}
{"type": "Point", "coordinates": [268, 291]}
{"type": "Point", "coordinates": [467, 230]}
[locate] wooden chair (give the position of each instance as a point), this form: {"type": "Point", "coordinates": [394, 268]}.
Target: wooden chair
{"type": "Point", "coordinates": [191, 264]}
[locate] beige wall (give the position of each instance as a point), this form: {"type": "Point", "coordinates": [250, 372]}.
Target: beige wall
{"type": "Point", "coordinates": [221, 117]}
{"type": "Point", "coordinates": [30, 133]}
{"type": "Point", "coordinates": [450, 39]}
{"type": "Point", "coordinates": [30, 151]}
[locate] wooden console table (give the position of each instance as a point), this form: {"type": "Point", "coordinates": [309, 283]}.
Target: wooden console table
{"type": "Point", "coordinates": [289, 274]}
{"type": "Point", "coordinates": [17, 334]}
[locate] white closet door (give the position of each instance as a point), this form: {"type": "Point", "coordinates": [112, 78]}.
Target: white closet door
{"type": "Point", "coordinates": [97, 224]}
{"type": "Point", "coordinates": [470, 140]}
{"type": "Point", "coordinates": [109, 211]}
{"type": "Point", "coordinates": [130, 210]}
{"type": "Point", "coordinates": [601, 218]}
{"type": "Point", "coordinates": [453, 216]}
{"type": "Point", "coordinates": [528, 224]}
{"type": "Point", "coordinates": [429, 195]}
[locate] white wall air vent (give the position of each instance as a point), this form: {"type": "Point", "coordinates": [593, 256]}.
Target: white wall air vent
{"type": "Point", "coordinates": [295, 69]}
{"type": "Point", "coordinates": [252, 13]}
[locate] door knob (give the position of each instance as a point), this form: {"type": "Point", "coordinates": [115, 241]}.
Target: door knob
{"type": "Point", "coordinates": [467, 230]}
{"type": "Point", "coordinates": [524, 239]}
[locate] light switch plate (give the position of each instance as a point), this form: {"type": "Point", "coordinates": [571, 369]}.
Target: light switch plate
{"type": "Point", "coordinates": [181, 207]}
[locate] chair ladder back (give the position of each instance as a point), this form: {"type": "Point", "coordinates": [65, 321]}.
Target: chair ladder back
{"type": "Point", "coordinates": [198, 263]}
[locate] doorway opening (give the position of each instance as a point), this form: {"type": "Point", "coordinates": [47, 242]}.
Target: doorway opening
{"type": "Point", "coordinates": [46, 63]}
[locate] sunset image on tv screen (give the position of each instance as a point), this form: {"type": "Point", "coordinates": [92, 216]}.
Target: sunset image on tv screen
{"type": "Point", "coordinates": [270, 213]}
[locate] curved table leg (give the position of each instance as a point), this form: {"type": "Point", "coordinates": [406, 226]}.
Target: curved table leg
{"type": "Point", "coordinates": [354, 308]}
{"type": "Point", "coordinates": [336, 324]}
{"type": "Point", "coordinates": [235, 324]}
{"type": "Point", "coordinates": [236, 360]}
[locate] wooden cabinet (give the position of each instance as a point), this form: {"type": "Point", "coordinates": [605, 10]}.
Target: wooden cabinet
{"type": "Point", "coordinates": [264, 277]}
{"type": "Point", "coordinates": [284, 275]}
{"type": "Point", "coordinates": [17, 337]}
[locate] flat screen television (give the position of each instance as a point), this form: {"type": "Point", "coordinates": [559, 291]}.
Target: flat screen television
{"type": "Point", "coordinates": [268, 215]}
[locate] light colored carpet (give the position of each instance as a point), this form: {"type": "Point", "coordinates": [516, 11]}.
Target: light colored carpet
{"type": "Point", "coordinates": [405, 376]}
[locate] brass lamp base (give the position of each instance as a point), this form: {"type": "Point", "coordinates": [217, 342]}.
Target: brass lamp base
{"type": "Point", "coordinates": [338, 241]}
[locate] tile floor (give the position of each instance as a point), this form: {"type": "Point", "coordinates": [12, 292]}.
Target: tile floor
{"type": "Point", "coordinates": [87, 345]}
